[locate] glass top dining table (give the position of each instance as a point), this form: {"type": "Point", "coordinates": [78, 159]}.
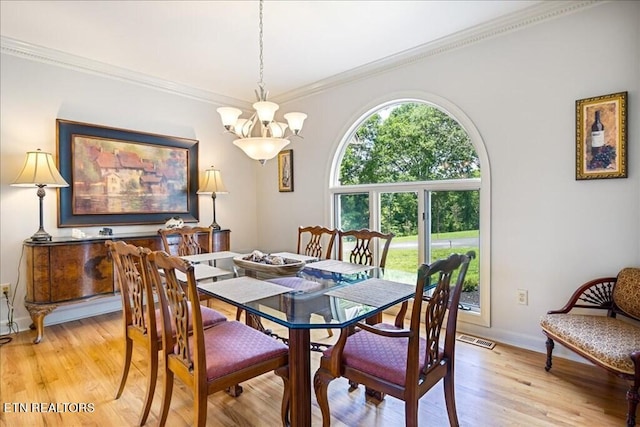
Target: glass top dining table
{"type": "Point", "coordinates": [327, 294]}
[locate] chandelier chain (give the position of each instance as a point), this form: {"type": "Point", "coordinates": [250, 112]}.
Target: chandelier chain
{"type": "Point", "coordinates": [261, 83]}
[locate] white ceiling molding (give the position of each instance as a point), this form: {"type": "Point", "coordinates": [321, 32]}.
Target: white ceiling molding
{"type": "Point", "coordinates": [542, 12]}
{"type": "Point", "coordinates": [517, 21]}
{"type": "Point", "coordinates": [55, 57]}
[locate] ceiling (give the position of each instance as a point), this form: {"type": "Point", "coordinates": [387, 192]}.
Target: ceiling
{"type": "Point", "coordinates": [212, 46]}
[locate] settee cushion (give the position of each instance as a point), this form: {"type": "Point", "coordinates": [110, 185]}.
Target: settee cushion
{"type": "Point", "coordinates": [606, 340]}
{"type": "Point", "coordinates": [626, 293]}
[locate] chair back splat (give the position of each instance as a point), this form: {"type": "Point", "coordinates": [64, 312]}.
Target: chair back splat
{"type": "Point", "coordinates": [364, 247]}
{"type": "Point", "coordinates": [187, 240]}
{"type": "Point", "coordinates": [210, 359]}
{"type": "Point", "coordinates": [316, 241]}
{"type": "Point", "coordinates": [361, 246]}
{"type": "Point", "coordinates": [389, 359]}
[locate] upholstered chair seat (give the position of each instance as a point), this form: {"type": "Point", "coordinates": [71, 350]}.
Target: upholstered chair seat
{"type": "Point", "coordinates": [608, 340]}
{"type": "Point", "coordinates": [376, 355]}
{"type": "Point", "coordinates": [233, 346]}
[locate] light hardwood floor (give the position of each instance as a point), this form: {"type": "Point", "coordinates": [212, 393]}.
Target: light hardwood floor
{"type": "Point", "coordinates": [79, 362]}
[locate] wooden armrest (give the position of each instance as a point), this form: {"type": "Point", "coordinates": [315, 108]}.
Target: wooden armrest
{"type": "Point", "coordinates": [596, 294]}
{"type": "Point", "coordinates": [394, 333]}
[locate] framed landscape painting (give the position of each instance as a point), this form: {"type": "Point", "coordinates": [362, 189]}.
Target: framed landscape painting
{"type": "Point", "coordinates": [601, 137]}
{"type": "Point", "coordinates": [124, 177]}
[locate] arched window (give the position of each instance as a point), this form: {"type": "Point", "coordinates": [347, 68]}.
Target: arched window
{"type": "Point", "coordinates": [418, 168]}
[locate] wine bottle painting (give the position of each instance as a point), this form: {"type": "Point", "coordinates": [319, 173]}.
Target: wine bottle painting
{"type": "Point", "coordinates": [601, 137]}
{"type": "Point", "coordinates": [603, 154]}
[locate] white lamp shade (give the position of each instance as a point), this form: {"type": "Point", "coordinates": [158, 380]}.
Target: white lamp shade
{"type": "Point", "coordinates": [277, 129]}
{"type": "Point", "coordinates": [261, 148]}
{"type": "Point", "coordinates": [266, 110]}
{"type": "Point", "coordinates": [229, 116]}
{"type": "Point", "coordinates": [295, 121]}
{"type": "Point", "coordinates": [212, 182]}
{"type": "Point", "coordinates": [39, 169]}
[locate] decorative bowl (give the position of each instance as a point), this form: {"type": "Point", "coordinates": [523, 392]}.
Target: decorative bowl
{"type": "Point", "coordinates": [289, 268]}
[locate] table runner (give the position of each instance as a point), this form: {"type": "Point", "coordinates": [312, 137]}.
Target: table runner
{"type": "Point", "coordinates": [244, 289]}
{"type": "Point", "coordinates": [373, 292]}
{"type": "Point", "coordinates": [203, 272]}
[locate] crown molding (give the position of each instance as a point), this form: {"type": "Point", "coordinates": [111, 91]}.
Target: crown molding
{"type": "Point", "coordinates": [544, 11]}
{"type": "Point", "coordinates": [536, 14]}
{"type": "Point", "coordinates": [38, 53]}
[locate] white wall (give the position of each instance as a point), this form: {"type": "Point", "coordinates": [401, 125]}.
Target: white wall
{"type": "Point", "coordinates": [34, 94]}
{"type": "Point", "coordinates": [550, 233]}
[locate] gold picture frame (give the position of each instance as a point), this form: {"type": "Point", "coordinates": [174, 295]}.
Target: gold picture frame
{"type": "Point", "coordinates": [601, 137]}
{"type": "Point", "coordinates": [285, 171]}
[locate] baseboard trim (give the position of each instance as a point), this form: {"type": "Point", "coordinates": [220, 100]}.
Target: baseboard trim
{"type": "Point", "coordinates": [70, 312]}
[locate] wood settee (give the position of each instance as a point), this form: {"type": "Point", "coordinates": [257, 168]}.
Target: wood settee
{"type": "Point", "coordinates": [604, 338]}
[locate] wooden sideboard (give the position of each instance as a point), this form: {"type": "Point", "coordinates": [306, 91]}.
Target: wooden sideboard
{"type": "Point", "coordinates": [69, 271]}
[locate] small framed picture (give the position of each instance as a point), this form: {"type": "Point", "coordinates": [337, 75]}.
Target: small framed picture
{"type": "Point", "coordinates": [285, 171]}
{"type": "Point", "coordinates": [601, 137]}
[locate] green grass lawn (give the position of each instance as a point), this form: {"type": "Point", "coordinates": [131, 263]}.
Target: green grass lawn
{"type": "Point", "coordinates": [406, 259]}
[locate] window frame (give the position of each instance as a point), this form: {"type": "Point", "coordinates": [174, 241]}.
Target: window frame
{"type": "Point", "coordinates": [482, 185]}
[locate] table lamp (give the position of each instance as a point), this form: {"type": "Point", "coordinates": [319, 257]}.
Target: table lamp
{"type": "Point", "coordinates": [39, 170]}
{"type": "Point", "coordinates": [213, 184]}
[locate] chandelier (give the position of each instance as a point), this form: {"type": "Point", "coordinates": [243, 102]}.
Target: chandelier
{"type": "Point", "coordinates": [272, 136]}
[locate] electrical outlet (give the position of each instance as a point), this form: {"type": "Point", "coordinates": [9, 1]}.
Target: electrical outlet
{"type": "Point", "coordinates": [523, 297]}
{"type": "Point", "coordinates": [5, 290]}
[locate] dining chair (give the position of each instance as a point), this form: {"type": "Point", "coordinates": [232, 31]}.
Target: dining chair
{"type": "Point", "coordinates": [141, 320]}
{"type": "Point", "coordinates": [213, 359]}
{"type": "Point", "coordinates": [359, 246]}
{"type": "Point", "coordinates": [316, 241]}
{"type": "Point", "coordinates": [389, 359]}
{"type": "Point", "coordinates": [186, 240]}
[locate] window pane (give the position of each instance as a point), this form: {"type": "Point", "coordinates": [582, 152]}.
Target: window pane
{"type": "Point", "coordinates": [399, 215]}
{"type": "Point", "coordinates": [455, 219]}
{"type": "Point", "coordinates": [353, 211]}
{"type": "Point", "coordinates": [353, 214]}
{"type": "Point", "coordinates": [405, 143]}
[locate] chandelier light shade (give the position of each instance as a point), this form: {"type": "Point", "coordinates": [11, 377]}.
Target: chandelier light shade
{"type": "Point", "coordinates": [213, 184]}
{"type": "Point", "coordinates": [40, 171]}
{"type": "Point", "coordinates": [265, 141]}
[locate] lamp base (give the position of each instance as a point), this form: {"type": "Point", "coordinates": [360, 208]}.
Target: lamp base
{"type": "Point", "coordinates": [41, 236]}
{"type": "Point", "coordinates": [214, 225]}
